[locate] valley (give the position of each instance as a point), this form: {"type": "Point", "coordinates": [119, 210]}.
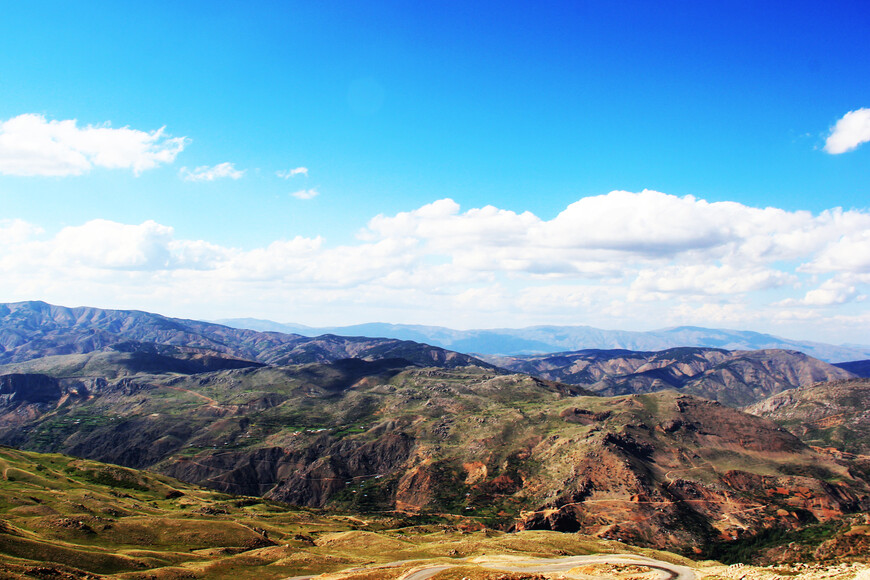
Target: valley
{"type": "Point", "coordinates": [644, 449]}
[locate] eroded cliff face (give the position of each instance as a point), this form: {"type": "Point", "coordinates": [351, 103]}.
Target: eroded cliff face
{"type": "Point", "coordinates": [23, 389]}
{"type": "Point", "coordinates": [660, 469]}
{"type": "Point", "coordinates": [308, 476]}
{"type": "Point", "coordinates": [698, 473]}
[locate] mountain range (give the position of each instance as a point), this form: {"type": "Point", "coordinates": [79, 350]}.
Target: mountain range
{"type": "Point", "coordinates": [30, 330]}
{"type": "Point", "coordinates": [661, 469]}
{"type": "Point", "coordinates": [551, 339]}
{"type": "Point", "coordinates": [385, 426]}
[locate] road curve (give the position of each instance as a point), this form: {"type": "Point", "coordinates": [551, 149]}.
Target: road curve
{"type": "Point", "coordinates": [425, 573]}
{"type": "Point", "coordinates": [667, 570]}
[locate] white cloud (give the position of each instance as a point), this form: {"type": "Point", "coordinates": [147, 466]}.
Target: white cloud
{"type": "Point", "coordinates": [618, 232]}
{"type": "Point", "coordinates": [305, 193]}
{"type": "Point", "coordinates": [849, 253]}
{"type": "Point", "coordinates": [292, 172]}
{"type": "Point", "coordinates": [30, 145]}
{"type": "Point", "coordinates": [16, 231]}
{"type": "Point", "coordinates": [702, 279]}
{"type": "Point", "coordinates": [205, 173]}
{"type": "Point", "coordinates": [849, 132]}
{"type": "Point", "coordinates": [831, 292]}
{"type": "Point", "coordinates": [104, 244]}
{"type": "Point", "coordinates": [482, 266]}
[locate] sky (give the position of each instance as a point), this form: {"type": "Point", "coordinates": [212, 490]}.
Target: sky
{"type": "Point", "coordinates": [619, 164]}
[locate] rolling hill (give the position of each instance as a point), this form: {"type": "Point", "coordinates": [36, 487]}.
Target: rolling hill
{"type": "Point", "coordinates": [380, 427]}
{"type": "Point", "coordinates": [70, 519]}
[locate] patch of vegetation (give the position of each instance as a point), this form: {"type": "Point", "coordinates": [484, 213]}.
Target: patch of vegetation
{"type": "Point", "coordinates": [746, 550]}
{"type": "Point", "coordinates": [371, 495]}
{"type": "Point", "coordinates": [50, 433]}
{"type": "Point", "coordinates": [449, 493]}
{"type": "Point", "coordinates": [113, 478]}
{"type": "Point", "coordinates": [814, 471]}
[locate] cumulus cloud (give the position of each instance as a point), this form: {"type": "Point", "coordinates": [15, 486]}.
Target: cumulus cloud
{"type": "Point", "coordinates": [16, 231]}
{"type": "Point", "coordinates": [205, 173]}
{"type": "Point", "coordinates": [287, 174]}
{"type": "Point", "coordinates": [305, 193]}
{"type": "Point", "coordinates": [831, 292]}
{"type": "Point", "coordinates": [110, 245]}
{"type": "Point", "coordinates": [609, 260]}
{"type": "Point", "coordinates": [619, 231]}
{"type": "Point", "coordinates": [703, 279]}
{"type": "Point", "coordinates": [30, 145]}
{"type": "Point", "coordinates": [848, 253]}
{"type": "Point", "coordinates": [849, 132]}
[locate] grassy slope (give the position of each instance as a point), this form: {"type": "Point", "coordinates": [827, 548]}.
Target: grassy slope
{"type": "Point", "coordinates": [63, 516]}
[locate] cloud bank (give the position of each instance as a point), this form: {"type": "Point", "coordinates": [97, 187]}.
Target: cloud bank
{"type": "Point", "coordinates": [30, 145]}
{"type": "Point", "coordinates": [608, 260]}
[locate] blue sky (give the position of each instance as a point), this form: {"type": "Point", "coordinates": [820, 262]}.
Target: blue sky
{"type": "Point", "coordinates": [537, 112]}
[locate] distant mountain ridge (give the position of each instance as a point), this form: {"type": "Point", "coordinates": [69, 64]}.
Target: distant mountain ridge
{"type": "Point", "coordinates": [30, 330]}
{"type": "Point", "coordinates": [551, 339]}
{"type": "Point", "coordinates": [735, 378]}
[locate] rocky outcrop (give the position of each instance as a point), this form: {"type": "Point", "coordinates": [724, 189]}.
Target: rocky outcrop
{"type": "Point", "coordinates": [666, 484]}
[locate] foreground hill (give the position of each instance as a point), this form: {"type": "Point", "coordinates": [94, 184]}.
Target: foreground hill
{"type": "Point", "coordinates": [661, 469]}
{"type": "Point", "coordinates": [69, 518]}
{"type": "Point", "coordinates": [835, 414]}
{"type": "Point", "coordinates": [30, 330]}
{"type": "Point", "coordinates": [543, 339]}
{"type": "Point", "coordinates": [735, 378]}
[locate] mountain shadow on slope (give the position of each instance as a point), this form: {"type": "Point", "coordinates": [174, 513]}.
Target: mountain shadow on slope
{"type": "Point", "coordinates": [859, 368]}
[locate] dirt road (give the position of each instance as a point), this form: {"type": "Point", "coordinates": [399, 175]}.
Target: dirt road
{"type": "Point", "coordinates": [667, 571]}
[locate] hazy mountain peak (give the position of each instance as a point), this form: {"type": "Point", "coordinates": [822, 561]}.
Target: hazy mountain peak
{"type": "Point", "coordinates": [551, 338]}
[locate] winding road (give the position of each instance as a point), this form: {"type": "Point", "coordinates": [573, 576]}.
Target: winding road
{"type": "Point", "coordinates": [666, 570]}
